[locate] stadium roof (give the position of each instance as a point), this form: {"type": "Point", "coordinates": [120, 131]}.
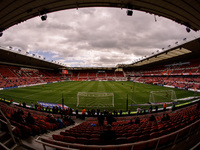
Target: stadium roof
{"type": "Point", "coordinates": [10, 57]}
{"type": "Point", "coordinates": [183, 12]}
{"type": "Point", "coordinates": [190, 49]}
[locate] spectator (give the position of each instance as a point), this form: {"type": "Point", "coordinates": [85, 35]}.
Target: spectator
{"type": "Point", "coordinates": [163, 118]}
{"type": "Point", "coordinates": [48, 109]}
{"type": "Point", "coordinates": [36, 106]}
{"type": "Point", "coordinates": [69, 119]}
{"type": "Point", "coordinates": [167, 117]}
{"type": "Point", "coordinates": [83, 113]}
{"type": "Point", "coordinates": [101, 120]}
{"type": "Point", "coordinates": [39, 108]}
{"type": "Point", "coordinates": [152, 118]}
{"type": "Point", "coordinates": [89, 113]}
{"type": "Point", "coordinates": [173, 106]}
{"type": "Point", "coordinates": [60, 110]}
{"type": "Point", "coordinates": [164, 106]}
{"type": "Point", "coordinates": [11, 101]}
{"type": "Point", "coordinates": [17, 117]}
{"type": "Point", "coordinates": [120, 112]}
{"type": "Point", "coordinates": [31, 105]}
{"type": "Point", "coordinates": [108, 136]}
{"type": "Point", "coordinates": [156, 108]}
{"type": "Point", "coordinates": [138, 110]}
{"type": "Point", "coordinates": [60, 122]}
{"type": "Point", "coordinates": [29, 119]}
{"type": "Point", "coordinates": [76, 112]}
{"type": "Point", "coordinates": [150, 109]}
{"type": "Point", "coordinates": [70, 111]}
{"type": "Point", "coordinates": [52, 119]}
{"type": "Point", "coordinates": [53, 109]}
{"type": "Point", "coordinates": [137, 120]}
{"type": "Point", "coordinates": [110, 119]}
{"type": "Point", "coordinates": [56, 109]}
{"type": "Point", "coordinates": [93, 112]}
{"type": "Point", "coordinates": [129, 112]}
{"type": "Point", "coordinates": [144, 111]}
{"type": "Point", "coordinates": [131, 122]}
{"type": "Point", "coordinates": [24, 104]}
{"type": "Point", "coordinates": [166, 95]}
{"type": "Point", "coordinates": [98, 111]}
{"type": "Point", "coordinates": [141, 110]}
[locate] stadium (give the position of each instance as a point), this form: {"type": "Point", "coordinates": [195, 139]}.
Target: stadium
{"type": "Point", "coordinates": [49, 105]}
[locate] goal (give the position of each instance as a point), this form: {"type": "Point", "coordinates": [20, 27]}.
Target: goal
{"type": "Point", "coordinates": [95, 99]}
{"type": "Point", "coordinates": [162, 96]}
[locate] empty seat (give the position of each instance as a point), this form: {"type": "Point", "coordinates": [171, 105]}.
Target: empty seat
{"type": "Point", "coordinates": [94, 141]}
{"type": "Point", "coordinates": [121, 140]}
{"type": "Point", "coordinates": [132, 139]}
{"type": "Point", "coordinates": [82, 140]}
{"type": "Point", "coordinates": [69, 139]}
{"type": "Point", "coordinates": [58, 137]}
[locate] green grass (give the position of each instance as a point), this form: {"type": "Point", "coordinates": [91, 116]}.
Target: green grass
{"type": "Point", "coordinates": [53, 92]}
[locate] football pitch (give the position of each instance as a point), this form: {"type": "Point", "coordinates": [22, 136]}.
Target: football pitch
{"type": "Point", "coordinates": [137, 93]}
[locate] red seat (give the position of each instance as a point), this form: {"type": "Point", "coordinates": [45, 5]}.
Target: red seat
{"type": "Point", "coordinates": [110, 148]}
{"type": "Point", "coordinates": [69, 139]}
{"type": "Point", "coordinates": [82, 140]}
{"type": "Point", "coordinates": [132, 139]}
{"type": "Point", "coordinates": [64, 133]}
{"type": "Point", "coordinates": [152, 144]}
{"type": "Point", "coordinates": [36, 129]}
{"type": "Point", "coordinates": [154, 135]}
{"type": "Point", "coordinates": [121, 140]}
{"type": "Point", "coordinates": [144, 137]}
{"type": "Point", "coordinates": [58, 137]}
{"type": "Point", "coordinates": [163, 132]}
{"type": "Point", "coordinates": [94, 141]}
{"type": "Point", "coordinates": [95, 135]}
{"type": "Point", "coordinates": [85, 135]}
{"type": "Point", "coordinates": [140, 146]}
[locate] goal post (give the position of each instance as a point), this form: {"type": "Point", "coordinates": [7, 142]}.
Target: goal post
{"type": "Point", "coordinates": [162, 96]}
{"type": "Point", "coordinates": [95, 99]}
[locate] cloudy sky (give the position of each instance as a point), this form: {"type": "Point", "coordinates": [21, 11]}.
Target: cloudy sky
{"type": "Point", "coordinates": [95, 37]}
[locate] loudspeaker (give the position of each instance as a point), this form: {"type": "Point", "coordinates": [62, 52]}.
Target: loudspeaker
{"type": "Point", "coordinates": [188, 29]}
{"type": "Point", "coordinates": [44, 17]}
{"type": "Point", "coordinates": [129, 12]}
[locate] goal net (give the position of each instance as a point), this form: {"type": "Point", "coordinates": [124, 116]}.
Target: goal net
{"type": "Point", "coordinates": [162, 96]}
{"type": "Point", "coordinates": [95, 99]}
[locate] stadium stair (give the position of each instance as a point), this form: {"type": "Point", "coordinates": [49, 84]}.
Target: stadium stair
{"type": "Point", "coordinates": [6, 141]}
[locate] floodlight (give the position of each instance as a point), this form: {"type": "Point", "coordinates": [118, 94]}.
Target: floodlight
{"type": "Point", "coordinates": [129, 12]}
{"type": "Point", "coordinates": [188, 29]}
{"type": "Point", "coordinates": [44, 17]}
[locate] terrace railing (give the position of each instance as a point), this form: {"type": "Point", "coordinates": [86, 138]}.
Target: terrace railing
{"type": "Point", "coordinates": [155, 143]}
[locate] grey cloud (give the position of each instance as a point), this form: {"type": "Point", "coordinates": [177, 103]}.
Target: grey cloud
{"type": "Point", "coordinates": [107, 34]}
